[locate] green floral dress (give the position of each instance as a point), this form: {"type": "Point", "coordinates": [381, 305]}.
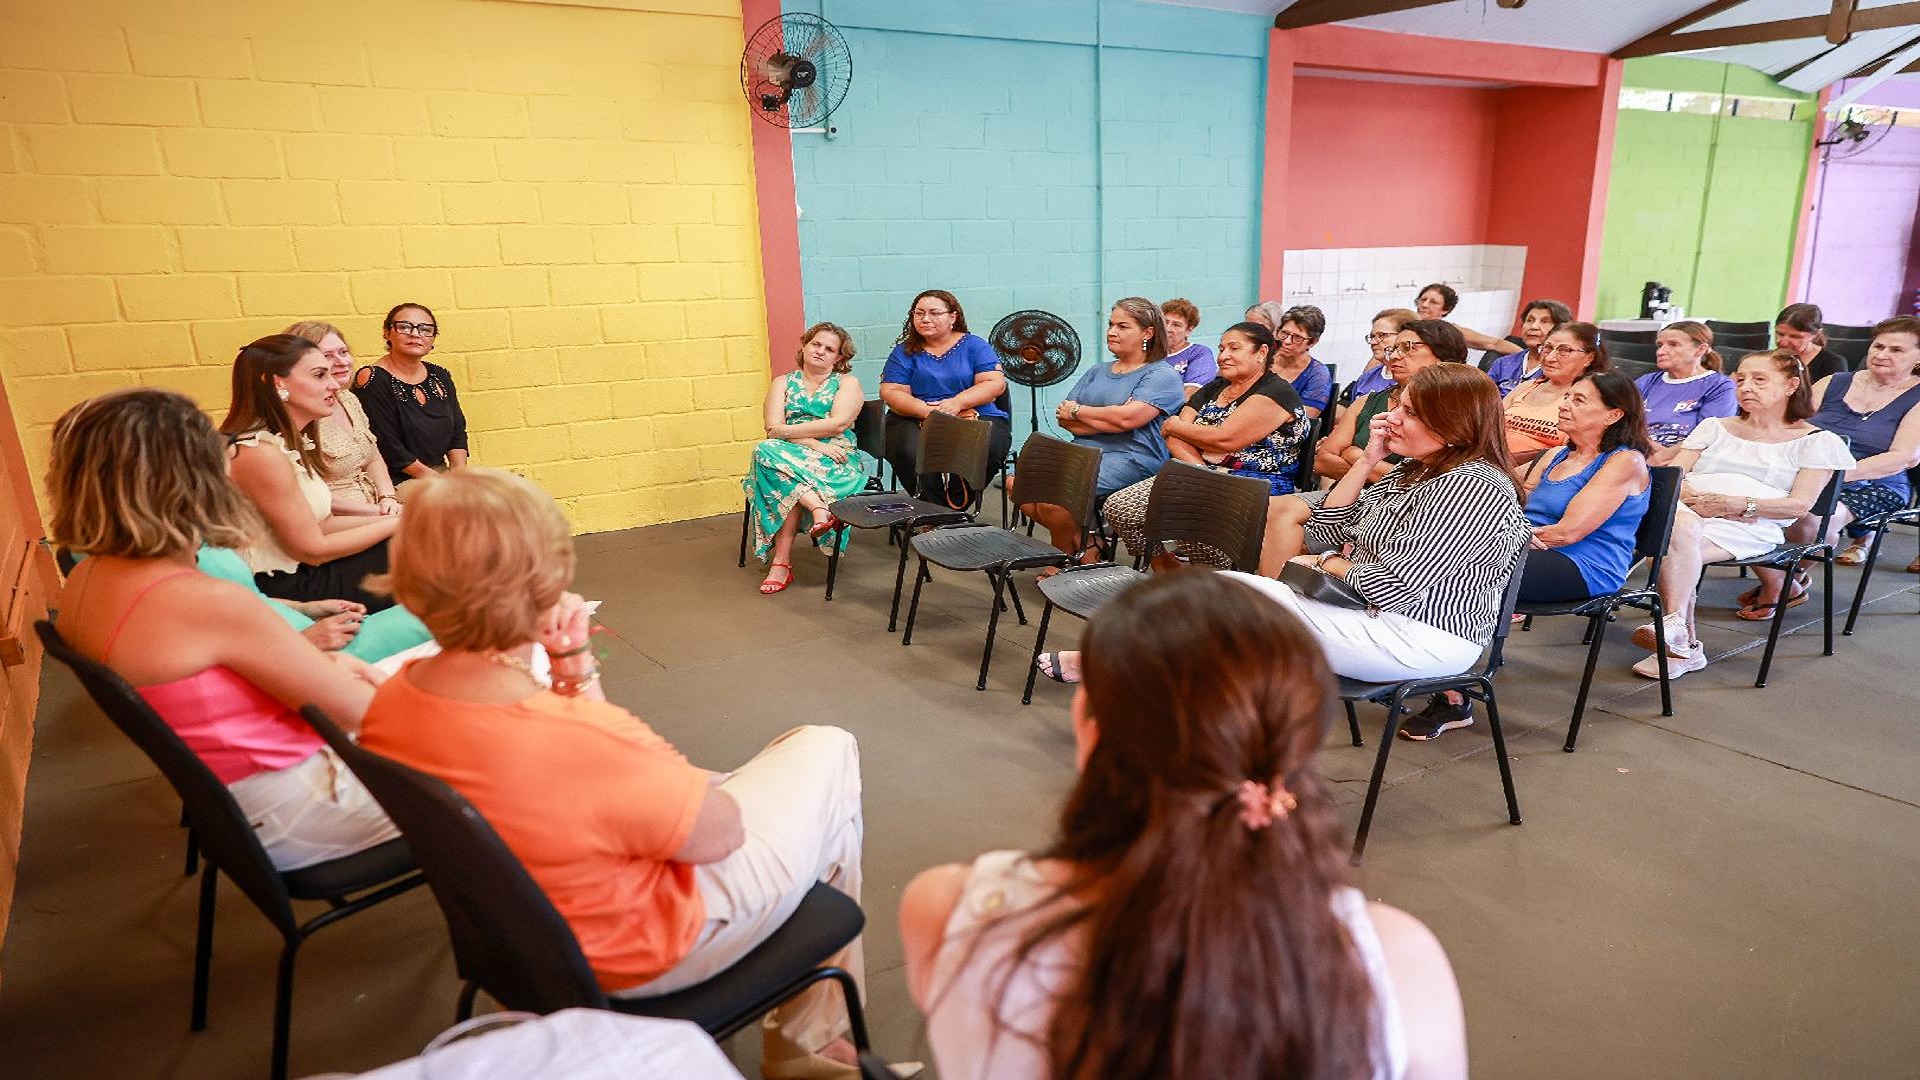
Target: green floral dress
{"type": "Point", "coordinates": [781, 470]}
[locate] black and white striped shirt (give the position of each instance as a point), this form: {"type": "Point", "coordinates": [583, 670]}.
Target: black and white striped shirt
{"type": "Point", "coordinates": [1436, 551]}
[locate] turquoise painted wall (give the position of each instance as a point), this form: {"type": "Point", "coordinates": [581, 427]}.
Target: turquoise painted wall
{"type": "Point", "coordinates": [1705, 204]}
{"type": "Point", "coordinates": [1058, 156]}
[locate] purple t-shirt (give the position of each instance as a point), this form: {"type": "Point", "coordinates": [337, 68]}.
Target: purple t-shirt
{"type": "Point", "coordinates": [1674, 409]}
{"type": "Point", "coordinates": [1196, 364]}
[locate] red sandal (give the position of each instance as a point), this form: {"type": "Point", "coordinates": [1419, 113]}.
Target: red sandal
{"type": "Point", "coordinates": [770, 586]}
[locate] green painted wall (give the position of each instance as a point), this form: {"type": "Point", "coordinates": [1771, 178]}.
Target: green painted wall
{"type": "Point", "coordinates": [1705, 204]}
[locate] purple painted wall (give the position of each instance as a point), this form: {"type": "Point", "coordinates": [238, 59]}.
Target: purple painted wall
{"type": "Point", "coordinates": [1863, 219]}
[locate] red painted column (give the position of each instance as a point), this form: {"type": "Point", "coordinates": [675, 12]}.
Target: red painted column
{"type": "Point", "coordinates": [1274, 165]}
{"type": "Point", "coordinates": [777, 204]}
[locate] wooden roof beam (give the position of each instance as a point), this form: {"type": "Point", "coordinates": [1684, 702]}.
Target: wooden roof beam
{"type": "Point", "coordinates": [1840, 21]}
{"type": "Point", "coordinates": [1316, 12]}
{"type": "Point", "coordinates": [1811, 26]}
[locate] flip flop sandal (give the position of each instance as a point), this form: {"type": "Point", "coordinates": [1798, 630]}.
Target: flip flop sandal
{"type": "Point", "coordinates": [1853, 555]}
{"type": "Point", "coordinates": [1764, 612]}
{"type": "Point", "coordinates": [1049, 665]}
{"type": "Point", "coordinates": [1801, 578]}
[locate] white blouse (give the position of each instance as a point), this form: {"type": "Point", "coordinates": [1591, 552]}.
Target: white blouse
{"type": "Point", "coordinates": [264, 555]}
{"type": "Point", "coordinates": [1731, 465]}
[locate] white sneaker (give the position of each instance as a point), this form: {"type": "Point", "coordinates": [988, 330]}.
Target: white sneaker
{"type": "Point", "coordinates": [1677, 643]}
{"type": "Point", "coordinates": [1693, 659]}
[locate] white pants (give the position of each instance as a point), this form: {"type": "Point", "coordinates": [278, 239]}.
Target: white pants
{"type": "Point", "coordinates": [800, 803]}
{"type": "Point", "coordinates": [1387, 647]}
{"type": "Point", "coordinates": [311, 812]}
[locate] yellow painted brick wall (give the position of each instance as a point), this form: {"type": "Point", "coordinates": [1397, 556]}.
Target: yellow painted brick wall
{"type": "Point", "coordinates": [569, 188]}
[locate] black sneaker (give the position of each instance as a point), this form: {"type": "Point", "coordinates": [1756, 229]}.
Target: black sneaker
{"type": "Point", "coordinates": [1439, 716]}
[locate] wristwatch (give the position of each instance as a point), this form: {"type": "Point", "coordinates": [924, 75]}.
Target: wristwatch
{"type": "Point", "coordinates": [1752, 511]}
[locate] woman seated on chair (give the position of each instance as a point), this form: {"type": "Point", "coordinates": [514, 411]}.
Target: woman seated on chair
{"type": "Point", "coordinates": [1197, 869]}
{"type": "Point", "coordinates": [1409, 351]}
{"type": "Point", "coordinates": [938, 366]}
{"type": "Point", "coordinates": [1537, 320]}
{"type": "Point", "coordinates": [1875, 409]}
{"type": "Point", "coordinates": [356, 473]}
{"type": "Point", "coordinates": [667, 873]}
{"type": "Point", "coordinates": [1189, 359]}
{"type": "Point", "coordinates": [1437, 301]}
{"type": "Point", "coordinates": [1747, 477]}
{"type": "Point", "coordinates": [1248, 422]}
{"type": "Point", "coordinates": [1300, 330]}
{"type": "Point", "coordinates": [138, 484]}
{"type": "Point", "coordinates": [1374, 377]}
{"type": "Point", "coordinates": [1688, 388]}
{"type": "Point", "coordinates": [1585, 499]}
{"type": "Point", "coordinates": [1802, 330]}
{"type": "Point", "coordinates": [1427, 548]}
{"type": "Point", "coordinates": [1118, 408]}
{"type": "Point", "coordinates": [282, 388]}
{"type": "Point", "coordinates": [1533, 408]}
{"type": "Point", "coordinates": [808, 458]}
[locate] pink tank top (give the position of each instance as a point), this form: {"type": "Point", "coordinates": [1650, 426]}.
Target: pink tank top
{"type": "Point", "coordinates": [234, 727]}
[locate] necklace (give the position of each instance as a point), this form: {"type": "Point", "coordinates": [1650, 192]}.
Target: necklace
{"type": "Point", "coordinates": [508, 660]}
{"type": "Point", "coordinates": [1890, 395]}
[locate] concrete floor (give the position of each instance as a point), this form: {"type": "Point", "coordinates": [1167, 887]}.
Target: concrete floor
{"type": "Point", "coordinates": [1721, 893]}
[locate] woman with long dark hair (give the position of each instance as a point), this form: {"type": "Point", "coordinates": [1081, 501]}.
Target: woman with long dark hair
{"type": "Point", "coordinates": [282, 388]}
{"type": "Point", "coordinates": [1193, 917]}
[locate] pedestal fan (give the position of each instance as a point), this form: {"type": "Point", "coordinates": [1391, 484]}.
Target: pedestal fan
{"type": "Point", "coordinates": [1037, 348]}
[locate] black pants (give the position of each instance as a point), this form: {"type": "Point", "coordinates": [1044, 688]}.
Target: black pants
{"type": "Point", "coordinates": [903, 453]}
{"type": "Point", "coordinates": [1552, 578]}
{"type": "Point", "coordinates": [337, 580]}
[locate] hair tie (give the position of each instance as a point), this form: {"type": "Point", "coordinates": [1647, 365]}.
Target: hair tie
{"type": "Point", "coordinates": [1260, 805]}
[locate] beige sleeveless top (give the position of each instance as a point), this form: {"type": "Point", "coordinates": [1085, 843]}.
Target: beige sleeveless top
{"type": "Point", "coordinates": [348, 451]}
{"type": "Point", "coordinates": [264, 555]}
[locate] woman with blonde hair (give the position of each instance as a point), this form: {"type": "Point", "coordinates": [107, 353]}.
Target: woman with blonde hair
{"type": "Point", "coordinates": [1192, 918]}
{"type": "Point", "coordinates": [808, 458]}
{"type": "Point", "coordinates": [1687, 389]}
{"type": "Point", "coordinates": [667, 873]}
{"type": "Point", "coordinates": [356, 473]}
{"type": "Point", "coordinates": [282, 389]}
{"type": "Point", "coordinates": [138, 485]}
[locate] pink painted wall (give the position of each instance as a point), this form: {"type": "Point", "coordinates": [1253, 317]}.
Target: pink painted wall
{"type": "Point", "coordinates": [1337, 175]}
{"type": "Point", "coordinates": [1861, 228]}
{"type": "Point", "coordinates": [1353, 181]}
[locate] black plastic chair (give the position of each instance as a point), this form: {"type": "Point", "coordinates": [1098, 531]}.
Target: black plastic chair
{"type": "Point", "coordinates": [947, 445]}
{"type": "Point", "coordinates": [1721, 327]}
{"type": "Point", "coordinates": [1633, 369]}
{"type": "Point", "coordinates": [1622, 337]}
{"type": "Point", "coordinates": [1476, 684]}
{"type": "Point", "coordinates": [869, 437]}
{"type": "Point", "coordinates": [1650, 543]}
{"type": "Point", "coordinates": [1639, 352]}
{"type": "Point", "coordinates": [1879, 525]}
{"type": "Point", "coordinates": [230, 846]}
{"type": "Point", "coordinates": [1787, 557]}
{"type": "Point", "coordinates": [1188, 503]}
{"type": "Point", "coordinates": [1843, 332]}
{"type": "Point", "coordinates": [1058, 473]}
{"type": "Point", "coordinates": [1748, 342]}
{"type": "Point", "coordinates": [1730, 356]}
{"type": "Point", "coordinates": [1304, 478]}
{"type": "Point", "coordinates": [1852, 350]}
{"type": "Point", "coordinates": [509, 941]}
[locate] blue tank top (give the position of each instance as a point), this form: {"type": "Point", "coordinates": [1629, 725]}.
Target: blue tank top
{"type": "Point", "coordinates": [1867, 433]}
{"type": "Point", "coordinates": [1604, 555]}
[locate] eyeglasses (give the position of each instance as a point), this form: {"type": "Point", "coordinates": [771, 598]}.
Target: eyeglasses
{"type": "Point", "coordinates": [1402, 348]}
{"type": "Point", "coordinates": [929, 314]}
{"type": "Point", "coordinates": [417, 329]}
{"type": "Point", "coordinates": [1375, 339]}
{"type": "Point", "coordinates": [1562, 351]}
{"type": "Point", "coordinates": [1288, 337]}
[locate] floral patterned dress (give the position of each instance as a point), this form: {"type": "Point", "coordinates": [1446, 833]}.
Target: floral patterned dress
{"type": "Point", "coordinates": [781, 470]}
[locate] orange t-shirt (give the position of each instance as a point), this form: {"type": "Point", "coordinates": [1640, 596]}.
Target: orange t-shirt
{"type": "Point", "coordinates": [1533, 420]}
{"type": "Point", "coordinates": [589, 798]}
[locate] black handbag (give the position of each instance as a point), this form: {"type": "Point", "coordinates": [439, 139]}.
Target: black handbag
{"type": "Point", "coordinates": [1316, 584]}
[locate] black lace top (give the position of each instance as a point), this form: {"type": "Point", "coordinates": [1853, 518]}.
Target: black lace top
{"type": "Point", "coordinates": [414, 422]}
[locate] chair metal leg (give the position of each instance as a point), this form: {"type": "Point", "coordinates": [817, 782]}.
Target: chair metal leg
{"type": "Point", "coordinates": [1596, 633]}
{"type": "Point", "coordinates": [899, 579]}
{"type": "Point", "coordinates": [1013, 590]}
{"type": "Point", "coordinates": [833, 556]}
{"type": "Point", "coordinates": [464, 1010]}
{"type": "Point", "coordinates": [993, 625]}
{"type": "Point", "coordinates": [1866, 572]}
{"type": "Point", "coordinates": [193, 853]}
{"type": "Point", "coordinates": [856, 1015]}
{"type": "Point", "coordinates": [283, 1008]}
{"type": "Point", "coordinates": [913, 609]}
{"type": "Point", "coordinates": [1353, 724]}
{"type": "Point", "coordinates": [1660, 657]}
{"type": "Point", "coordinates": [746, 522]}
{"type": "Point", "coordinates": [1500, 752]}
{"type": "Point", "coordinates": [203, 947]}
{"type": "Point", "coordinates": [1773, 629]}
{"type": "Point", "coordinates": [1826, 619]}
{"type": "Point", "coordinates": [1039, 646]}
{"type": "Point", "coordinates": [1395, 709]}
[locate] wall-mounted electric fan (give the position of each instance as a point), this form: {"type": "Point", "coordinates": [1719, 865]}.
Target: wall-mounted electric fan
{"type": "Point", "coordinates": [796, 70]}
{"type": "Point", "coordinates": [1037, 348]}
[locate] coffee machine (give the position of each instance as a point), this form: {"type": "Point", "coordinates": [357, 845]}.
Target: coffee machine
{"type": "Point", "coordinates": [1656, 302]}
